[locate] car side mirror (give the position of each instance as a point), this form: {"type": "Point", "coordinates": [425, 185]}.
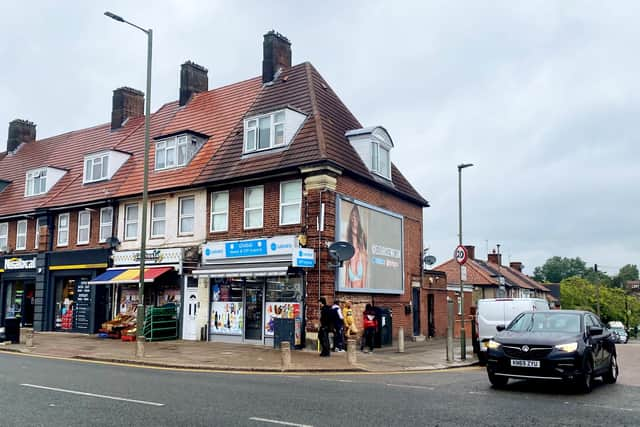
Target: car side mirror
{"type": "Point", "coordinates": [500, 328]}
{"type": "Point", "coordinates": [595, 330]}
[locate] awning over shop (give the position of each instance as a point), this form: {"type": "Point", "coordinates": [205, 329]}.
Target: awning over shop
{"type": "Point", "coordinates": [129, 275]}
{"type": "Point", "coordinates": [244, 269]}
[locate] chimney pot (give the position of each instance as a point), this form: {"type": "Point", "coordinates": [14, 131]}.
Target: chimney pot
{"type": "Point", "coordinates": [127, 102]}
{"type": "Point", "coordinates": [516, 265]}
{"type": "Point", "coordinates": [495, 258]}
{"type": "Point", "coordinates": [20, 131]}
{"type": "Point", "coordinates": [193, 79]}
{"type": "Point", "coordinates": [276, 55]}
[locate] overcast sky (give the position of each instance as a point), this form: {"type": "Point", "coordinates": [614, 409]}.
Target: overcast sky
{"type": "Point", "coordinates": [541, 96]}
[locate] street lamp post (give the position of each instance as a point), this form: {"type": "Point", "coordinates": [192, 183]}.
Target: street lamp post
{"type": "Point", "coordinates": [143, 238]}
{"type": "Point", "coordinates": [463, 344]}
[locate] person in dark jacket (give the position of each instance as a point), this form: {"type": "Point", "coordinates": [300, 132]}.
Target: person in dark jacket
{"type": "Point", "coordinates": [369, 325]}
{"type": "Point", "coordinates": [326, 325]}
{"type": "Point", "coordinates": [338, 327]}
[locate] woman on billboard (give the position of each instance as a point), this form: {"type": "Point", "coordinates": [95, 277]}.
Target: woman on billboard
{"type": "Point", "coordinates": [356, 267]}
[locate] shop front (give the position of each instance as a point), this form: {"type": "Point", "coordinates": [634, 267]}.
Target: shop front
{"type": "Point", "coordinates": [249, 284]}
{"type": "Point", "coordinates": [73, 305]}
{"type": "Point", "coordinates": [17, 288]}
{"type": "Point", "coordinates": [162, 281]}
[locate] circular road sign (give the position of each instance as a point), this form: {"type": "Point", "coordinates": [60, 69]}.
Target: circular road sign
{"type": "Point", "coordinates": [461, 255]}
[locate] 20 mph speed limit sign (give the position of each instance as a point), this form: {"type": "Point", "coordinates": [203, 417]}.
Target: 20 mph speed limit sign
{"type": "Point", "coordinates": [461, 254]}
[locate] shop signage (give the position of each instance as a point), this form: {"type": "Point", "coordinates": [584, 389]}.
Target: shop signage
{"type": "Point", "coordinates": [152, 256]}
{"type": "Point", "coordinates": [19, 263]}
{"type": "Point", "coordinates": [303, 257]}
{"type": "Point", "coordinates": [278, 245]}
{"type": "Point", "coordinates": [83, 305]}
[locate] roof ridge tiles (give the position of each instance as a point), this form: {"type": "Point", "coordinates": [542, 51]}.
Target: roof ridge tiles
{"type": "Point", "coordinates": [315, 110]}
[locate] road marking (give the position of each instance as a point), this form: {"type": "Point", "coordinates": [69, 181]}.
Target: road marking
{"type": "Point", "coordinates": [101, 396]}
{"type": "Point", "coordinates": [336, 381]}
{"type": "Point", "coordinates": [410, 386]}
{"type": "Point", "coordinates": [284, 423]}
{"type": "Point", "coordinates": [240, 371]}
{"type": "Point", "coordinates": [482, 393]}
{"type": "Point", "coordinates": [591, 405]}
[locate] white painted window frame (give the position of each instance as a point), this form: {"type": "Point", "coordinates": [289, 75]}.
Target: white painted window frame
{"type": "Point", "coordinates": [248, 209]}
{"type": "Point", "coordinates": [82, 228]}
{"type": "Point", "coordinates": [4, 236]}
{"type": "Point", "coordinates": [252, 131]}
{"type": "Point", "coordinates": [21, 237]}
{"type": "Point", "coordinates": [105, 225]}
{"type": "Point", "coordinates": [131, 221]}
{"type": "Point", "coordinates": [182, 216]}
{"type": "Point", "coordinates": [215, 213]}
{"type": "Point", "coordinates": [35, 175]}
{"type": "Point", "coordinates": [89, 163]}
{"type": "Point", "coordinates": [155, 219]}
{"type": "Point", "coordinates": [63, 242]}
{"type": "Point", "coordinates": [297, 202]}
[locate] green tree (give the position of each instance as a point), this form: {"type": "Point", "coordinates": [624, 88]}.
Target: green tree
{"type": "Point", "coordinates": [598, 277]}
{"type": "Point", "coordinates": [626, 273]}
{"type": "Point", "coordinates": [556, 269]}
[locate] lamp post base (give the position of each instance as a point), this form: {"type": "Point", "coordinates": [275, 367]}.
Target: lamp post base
{"type": "Point", "coordinates": [463, 345]}
{"type": "Point", "coordinates": [140, 347]}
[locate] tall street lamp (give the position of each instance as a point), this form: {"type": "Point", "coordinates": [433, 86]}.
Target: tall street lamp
{"type": "Point", "coordinates": [463, 344]}
{"type": "Point", "coordinates": [143, 238]}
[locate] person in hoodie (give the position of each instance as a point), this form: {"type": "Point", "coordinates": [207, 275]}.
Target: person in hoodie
{"type": "Point", "coordinates": [369, 325]}
{"type": "Point", "coordinates": [338, 325]}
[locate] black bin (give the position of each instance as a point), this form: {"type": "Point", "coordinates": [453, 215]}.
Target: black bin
{"type": "Point", "coordinates": [284, 330]}
{"type": "Point", "coordinates": [383, 336]}
{"type": "Point", "coordinates": [12, 329]}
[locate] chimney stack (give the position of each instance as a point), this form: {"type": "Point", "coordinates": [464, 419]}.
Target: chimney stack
{"type": "Point", "coordinates": [471, 251]}
{"type": "Point", "coordinates": [127, 102]}
{"type": "Point", "coordinates": [516, 265]}
{"type": "Point", "coordinates": [20, 131]}
{"type": "Point", "coordinates": [495, 258]}
{"type": "Point", "coordinates": [193, 79]}
{"type": "Point", "coordinates": [276, 55]}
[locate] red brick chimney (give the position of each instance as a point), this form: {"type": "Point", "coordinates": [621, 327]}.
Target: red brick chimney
{"type": "Point", "coordinates": [193, 79]}
{"type": "Point", "coordinates": [471, 250]}
{"type": "Point", "coordinates": [276, 55]}
{"type": "Point", "coordinates": [495, 258]}
{"type": "Point", "coordinates": [20, 131]}
{"type": "Point", "coordinates": [127, 102]}
{"type": "Point", "coordinates": [516, 265]}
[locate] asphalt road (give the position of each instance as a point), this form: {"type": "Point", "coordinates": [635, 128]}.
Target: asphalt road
{"type": "Point", "coordinates": [37, 391]}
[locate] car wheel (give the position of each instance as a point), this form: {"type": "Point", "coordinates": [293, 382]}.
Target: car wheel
{"type": "Point", "coordinates": [497, 381]}
{"type": "Point", "coordinates": [611, 376]}
{"type": "Point", "coordinates": [585, 381]}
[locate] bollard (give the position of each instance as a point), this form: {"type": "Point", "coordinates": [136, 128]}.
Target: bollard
{"type": "Point", "coordinates": [450, 354]}
{"type": "Point", "coordinates": [351, 351]}
{"type": "Point", "coordinates": [29, 339]}
{"type": "Point", "coordinates": [285, 355]}
{"type": "Point", "coordinates": [401, 340]}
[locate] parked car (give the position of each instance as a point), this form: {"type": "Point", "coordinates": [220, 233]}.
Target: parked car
{"type": "Point", "coordinates": [558, 345]}
{"type": "Point", "coordinates": [492, 312]}
{"type": "Point", "coordinates": [618, 329]}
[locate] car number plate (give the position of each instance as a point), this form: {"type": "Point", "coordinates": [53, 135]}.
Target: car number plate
{"type": "Point", "coordinates": [525, 363]}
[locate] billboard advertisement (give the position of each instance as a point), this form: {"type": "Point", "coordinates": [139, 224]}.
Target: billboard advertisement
{"type": "Point", "coordinates": [377, 265]}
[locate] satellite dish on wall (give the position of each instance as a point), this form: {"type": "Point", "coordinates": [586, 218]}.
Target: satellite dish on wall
{"type": "Point", "coordinates": [429, 260]}
{"type": "Point", "coordinates": [340, 252]}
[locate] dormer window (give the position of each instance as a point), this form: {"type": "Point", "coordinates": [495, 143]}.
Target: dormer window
{"type": "Point", "coordinates": [271, 130]}
{"type": "Point", "coordinates": [103, 165]}
{"type": "Point", "coordinates": [36, 182]}
{"type": "Point", "coordinates": [96, 167]}
{"type": "Point", "coordinates": [374, 145]}
{"type": "Point", "coordinates": [177, 151]}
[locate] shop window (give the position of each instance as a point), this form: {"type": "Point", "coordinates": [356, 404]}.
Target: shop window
{"type": "Point", "coordinates": [72, 296]}
{"type": "Point", "coordinates": [283, 301]}
{"type": "Point", "coordinates": [227, 309]}
{"type": "Point", "coordinates": [84, 227]}
{"type": "Point", "coordinates": [158, 218]}
{"type": "Point", "coordinates": [186, 215]}
{"type": "Point", "coordinates": [106, 223]}
{"type": "Point", "coordinates": [21, 235]}
{"type": "Point", "coordinates": [63, 229]}
{"type": "Point", "coordinates": [4, 236]}
{"type": "Point", "coordinates": [290, 202]}
{"type": "Point", "coordinates": [131, 222]}
{"type": "Point", "coordinates": [253, 207]}
{"type": "Point", "coordinates": [219, 211]}
{"type": "Point", "coordinates": [40, 222]}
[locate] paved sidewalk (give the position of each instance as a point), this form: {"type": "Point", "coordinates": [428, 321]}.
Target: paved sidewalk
{"type": "Point", "coordinates": [426, 355]}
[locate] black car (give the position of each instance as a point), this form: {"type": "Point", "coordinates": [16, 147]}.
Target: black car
{"type": "Point", "coordinates": [556, 345]}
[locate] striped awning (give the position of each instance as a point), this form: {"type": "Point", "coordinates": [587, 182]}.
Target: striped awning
{"type": "Point", "coordinates": [129, 275]}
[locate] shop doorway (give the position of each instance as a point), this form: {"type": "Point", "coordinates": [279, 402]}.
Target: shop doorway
{"type": "Point", "coordinates": [191, 308]}
{"type": "Point", "coordinates": [253, 313]}
{"type": "Point", "coordinates": [19, 301]}
{"type": "Point", "coordinates": [430, 316]}
{"type": "Point", "coordinates": [416, 311]}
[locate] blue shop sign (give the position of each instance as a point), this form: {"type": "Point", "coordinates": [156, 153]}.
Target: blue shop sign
{"type": "Point", "coordinates": [245, 248]}
{"type": "Point", "coordinates": [303, 257]}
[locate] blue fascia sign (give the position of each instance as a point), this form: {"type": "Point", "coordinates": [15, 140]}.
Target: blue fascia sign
{"type": "Point", "coordinates": [277, 245]}
{"type": "Point", "coordinates": [303, 257]}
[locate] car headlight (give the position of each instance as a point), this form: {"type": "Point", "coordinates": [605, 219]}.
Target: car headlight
{"type": "Point", "coordinates": [493, 344]}
{"type": "Point", "coordinates": [568, 348]}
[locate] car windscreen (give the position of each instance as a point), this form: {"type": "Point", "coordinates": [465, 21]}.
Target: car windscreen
{"type": "Point", "coordinates": [546, 322]}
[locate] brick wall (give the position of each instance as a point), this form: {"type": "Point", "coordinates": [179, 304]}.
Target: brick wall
{"type": "Point", "coordinates": [94, 234]}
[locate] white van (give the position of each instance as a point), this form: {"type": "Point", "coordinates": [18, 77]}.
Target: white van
{"type": "Point", "coordinates": [501, 311]}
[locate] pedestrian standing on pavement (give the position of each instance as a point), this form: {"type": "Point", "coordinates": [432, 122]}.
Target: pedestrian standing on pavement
{"type": "Point", "coordinates": [349, 322]}
{"type": "Point", "coordinates": [326, 324]}
{"type": "Point", "coordinates": [370, 326]}
{"type": "Point", "coordinates": [338, 331]}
